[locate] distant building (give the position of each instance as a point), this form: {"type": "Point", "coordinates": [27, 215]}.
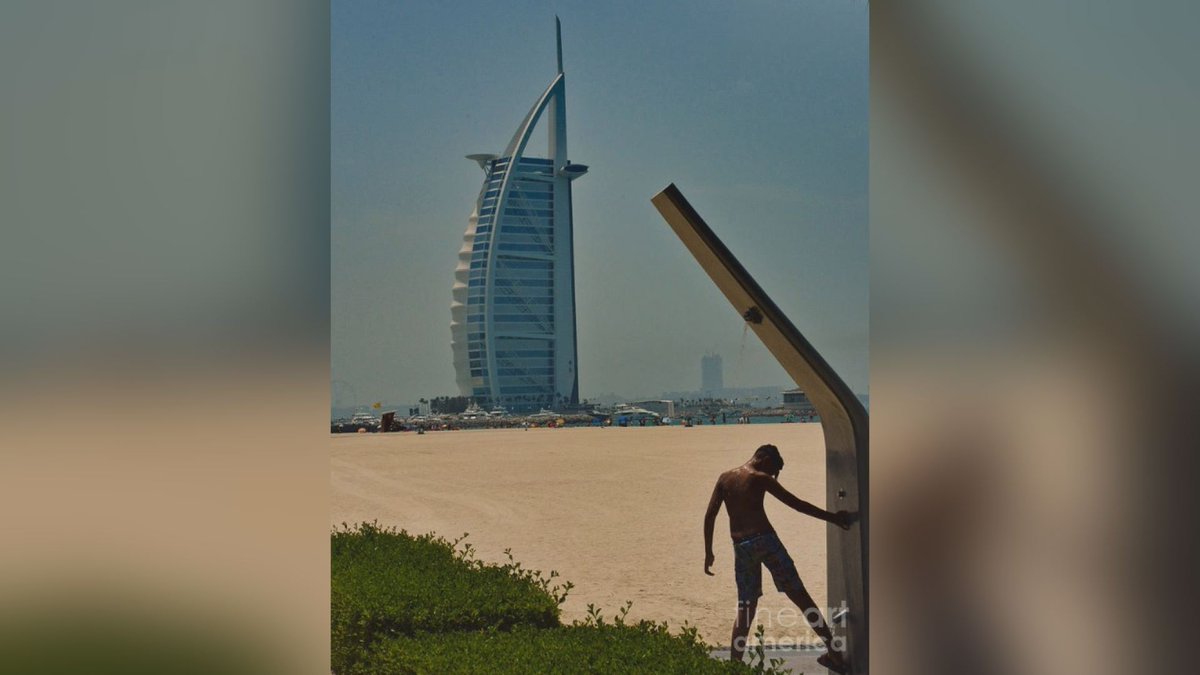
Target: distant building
{"type": "Point", "coordinates": [798, 401]}
{"type": "Point", "coordinates": [662, 407]}
{"type": "Point", "coordinates": [711, 379]}
{"type": "Point", "coordinates": [513, 312]}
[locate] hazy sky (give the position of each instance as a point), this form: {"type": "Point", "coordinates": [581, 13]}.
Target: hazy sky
{"type": "Point", "coordinates": [756, 109]}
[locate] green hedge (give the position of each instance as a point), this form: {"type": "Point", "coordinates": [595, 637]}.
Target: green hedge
{"type": "Point", "coordinates": [421, 604]}
{"type": "Point", "coordinates": [387, 583]}
{"type": "Point", "coordinates": [642, 648]}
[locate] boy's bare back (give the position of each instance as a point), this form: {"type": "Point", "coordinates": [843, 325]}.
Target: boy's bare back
{"type": "Point", "coordinates": [742, 489]}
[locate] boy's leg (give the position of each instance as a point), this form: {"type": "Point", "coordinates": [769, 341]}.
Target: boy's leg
{"type": "Point", "coordinates": [812, 614]}
{"type": "Point", "coordinates": [741, 628]}
{"type": "Point", "coordinates": [747, 572]}
{"type": "Point", "coordinates": [787, 579]}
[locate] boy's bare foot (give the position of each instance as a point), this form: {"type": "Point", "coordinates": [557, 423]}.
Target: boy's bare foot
{"type": "Point", "coordinates": [833, 661]}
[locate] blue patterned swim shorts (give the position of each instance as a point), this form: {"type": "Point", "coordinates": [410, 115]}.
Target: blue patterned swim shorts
{"type": "Point", "coordinates": [749, 556]}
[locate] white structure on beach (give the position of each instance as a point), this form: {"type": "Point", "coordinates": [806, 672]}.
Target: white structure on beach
{"type": "Point", "coordinates": [663, 407]}
{"type": "Point", "coordinates": [513, 311]}
{"type": "Point", "coordinates": [797, 400]}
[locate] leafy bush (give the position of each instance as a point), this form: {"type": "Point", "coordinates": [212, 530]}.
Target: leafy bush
{"type": "Point", "coordinates": [387, 583]}
{"type": "Point", "coordinates": [611, 648]}
{"type": "Point", "coordinates": [422, 604]}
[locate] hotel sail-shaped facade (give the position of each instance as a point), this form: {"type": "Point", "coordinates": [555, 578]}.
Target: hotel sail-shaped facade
{"type": "Point", "coordinates": [513, 310]}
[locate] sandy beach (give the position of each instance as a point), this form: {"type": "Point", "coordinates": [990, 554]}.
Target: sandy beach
{"type": "Point", "coordinates": [617, 511]}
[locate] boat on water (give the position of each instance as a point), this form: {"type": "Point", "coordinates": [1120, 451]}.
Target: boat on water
{"type": "Point", "coordinates": [633, 412]}
{"type": "Point", "coordinates": [628, 415]}
{"type": "Point", "coordinates": [359, 421]}
{"type": "Point", "coordinates": [473, 412]}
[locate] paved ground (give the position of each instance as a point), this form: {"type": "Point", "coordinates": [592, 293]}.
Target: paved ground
{"type": "Point", "coordinates": [800, 661]}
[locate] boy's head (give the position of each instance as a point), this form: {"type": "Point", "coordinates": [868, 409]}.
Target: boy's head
{"type": "Point", "coordinates": [768, 460]}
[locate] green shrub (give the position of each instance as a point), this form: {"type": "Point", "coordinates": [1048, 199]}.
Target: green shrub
{"type": "Point", "coordinates": [421, 604]}
{"type": "Point", "coordinates": [387, 583]}
{"type": "Point", "coordinates": [640, 648]}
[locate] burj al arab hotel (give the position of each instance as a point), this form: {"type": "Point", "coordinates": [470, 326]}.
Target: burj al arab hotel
{"type": "Point", "coordinates": [513, 310]}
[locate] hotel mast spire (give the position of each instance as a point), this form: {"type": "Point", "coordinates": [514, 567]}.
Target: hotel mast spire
{"type": "Point", "coordinates": [558, 36]}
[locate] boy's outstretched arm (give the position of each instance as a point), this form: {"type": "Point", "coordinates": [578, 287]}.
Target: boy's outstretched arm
{"type": "Point", "coordinates": [842, 519]}
{"type": "Point", "coordinates": [710, 521]}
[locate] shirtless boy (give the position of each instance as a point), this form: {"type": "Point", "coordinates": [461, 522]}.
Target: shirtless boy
{"type": "Point", "coordinates": [755, 544]}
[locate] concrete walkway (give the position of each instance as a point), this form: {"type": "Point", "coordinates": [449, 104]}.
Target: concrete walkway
{"type": "Point", "coordinates": [799, 660]}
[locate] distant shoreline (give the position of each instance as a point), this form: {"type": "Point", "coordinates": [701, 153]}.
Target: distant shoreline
{"type": "Point", "coordinates": [452, 423]}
